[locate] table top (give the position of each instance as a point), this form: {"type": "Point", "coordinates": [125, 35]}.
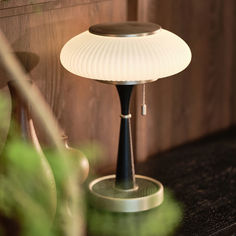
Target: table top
{"type": "Point", "coordinates": [202, 177]}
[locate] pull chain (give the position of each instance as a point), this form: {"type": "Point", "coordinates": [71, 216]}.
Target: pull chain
{"type": "Point", "coordinates": [144, 106]}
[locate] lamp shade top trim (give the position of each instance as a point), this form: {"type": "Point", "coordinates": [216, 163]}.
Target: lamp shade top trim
{"type": "Point", "coordinates": [125, 29]}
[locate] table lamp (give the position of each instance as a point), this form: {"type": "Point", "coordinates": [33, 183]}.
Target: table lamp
{"type": "Point", "coordinates": [125, 54]}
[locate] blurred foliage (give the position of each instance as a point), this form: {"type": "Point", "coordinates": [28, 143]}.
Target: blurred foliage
{"type": "Point", "coordinates": [26, 202]}
{"type": "Point", "coordinates": [24, 192]}
{"type": "Point", "coordinates": [93, 151]}
{"type": "Point", "coordinates": [28, 195]}
{"type": "Point", "coordinates": [5, 107]}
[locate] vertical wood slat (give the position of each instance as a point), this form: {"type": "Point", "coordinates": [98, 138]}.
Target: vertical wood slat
{"type": "Point", "coordinates": [132, 10]}
{"type": "Point", "coordinates": [198, 101]}
{"type": "Point", "coordinates": [230, 15]}
{"type": "Point", "coordinates": [11, 8]}
{"type": "Point", "coordinates": [20, 3]}
{"type": "Point", "coordinates": [195, 102]}
{"type": "Point", "coordinates": [83, 107]}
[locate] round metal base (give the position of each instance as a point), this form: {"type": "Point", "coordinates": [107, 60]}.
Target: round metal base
{"type": "Point", "coordinates": [148, 194]}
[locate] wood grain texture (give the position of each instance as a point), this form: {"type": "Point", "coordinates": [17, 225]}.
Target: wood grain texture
{"type": "Point", "coordinates": [195, 102]}
{"type": "Point", "coordinates": [15, 7]}
{"type": "Point", "coordinates": [132, 10]}
{"type": "Point", "coordinates": [232, 64]}
{"type": "Point", "coordinates": [87, 110]}
{"type": "Point", "coordinates": [4, 4]}
{"type": "Point", "coordinates": [184, 107]}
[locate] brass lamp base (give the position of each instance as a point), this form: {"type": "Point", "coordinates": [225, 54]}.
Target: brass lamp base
{"type": "Point", "coordinates": [147, 194]}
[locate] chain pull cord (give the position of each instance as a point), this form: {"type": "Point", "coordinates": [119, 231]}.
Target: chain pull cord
{"type": "Point", "coordinates": [144, 106]}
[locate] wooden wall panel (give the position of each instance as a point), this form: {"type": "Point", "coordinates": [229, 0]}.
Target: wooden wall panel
{"type": "Point", "coordinates": [7, 4]}
{"type": "Point", "coordinates": [232, 65]}
{"type": "Point", "coordinates": [87, 110]}
{"type": "Point", "coordinates": [195, 102]}
{"type": "Point", "coordinates": [184, 107]}
{"type": "Point", "coordinates": [22, 7]}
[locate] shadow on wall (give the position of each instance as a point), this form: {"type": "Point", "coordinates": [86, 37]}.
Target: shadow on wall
{"type": "Point", "coordinates": [29, 61]}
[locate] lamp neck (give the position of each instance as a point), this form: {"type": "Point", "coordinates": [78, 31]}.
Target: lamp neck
{"type": "Point", "coordinates": [125, 176]}
{"type": "Point", "coordinates": [125, 94]}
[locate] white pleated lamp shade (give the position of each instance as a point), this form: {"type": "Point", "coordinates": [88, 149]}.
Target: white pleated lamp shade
{"type": "Point", "coordinates": [126, 58]}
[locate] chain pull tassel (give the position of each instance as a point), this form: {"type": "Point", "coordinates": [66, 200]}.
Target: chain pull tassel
{"type": "Point", "coordinates": [143, 106]}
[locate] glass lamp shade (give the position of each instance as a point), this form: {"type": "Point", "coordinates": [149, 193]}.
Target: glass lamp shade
{"type": "Point", "coordinates": [127, 58]}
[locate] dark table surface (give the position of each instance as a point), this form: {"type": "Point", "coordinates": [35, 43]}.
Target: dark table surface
{"type": "Point", "coordinates": [202, 176]}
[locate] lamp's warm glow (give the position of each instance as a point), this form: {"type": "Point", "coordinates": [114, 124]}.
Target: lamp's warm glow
{"type": "Point", "coordinates": [125, 54]}
{"type": "Point", "coordinates": [143, 58]}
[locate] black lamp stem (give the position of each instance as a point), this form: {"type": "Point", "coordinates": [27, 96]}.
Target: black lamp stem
{"type": "Point", "coordinates": [125, 176]}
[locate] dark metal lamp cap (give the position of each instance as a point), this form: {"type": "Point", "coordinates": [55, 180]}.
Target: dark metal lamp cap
{"type": "Point", "coordinates": [125, 29]}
